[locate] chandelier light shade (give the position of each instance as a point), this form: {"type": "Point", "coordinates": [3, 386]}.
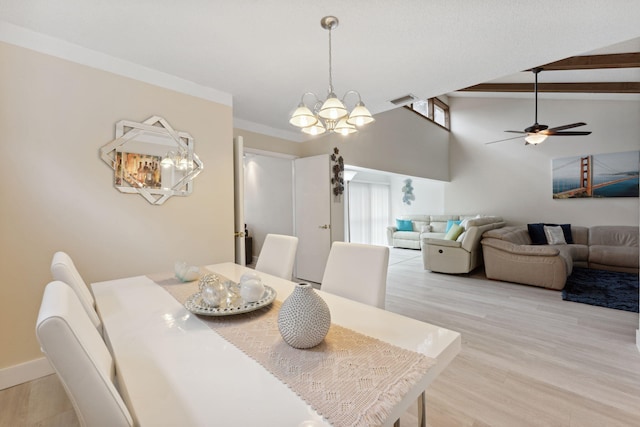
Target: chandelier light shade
{"type": "Point", "coordinates": [331, 114]}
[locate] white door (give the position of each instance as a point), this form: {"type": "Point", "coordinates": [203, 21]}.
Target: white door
{"type": "Point", "coordinates": [238, 197]}
{"type": "Point", "coordinates": [312, 216]}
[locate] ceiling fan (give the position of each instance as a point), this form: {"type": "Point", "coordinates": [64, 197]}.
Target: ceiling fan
{"type": "Point", "coordinates": [537, 132]}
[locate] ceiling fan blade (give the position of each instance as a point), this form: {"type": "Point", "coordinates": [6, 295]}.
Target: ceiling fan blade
{"type": "Point", "coordinates": [572, 125]}
{"type": "Point", "coordinates": [570, 133]}
{"type": "Point", "coordinates": [516, 131]}
{"type": "Point", "coordinates": [502, 140]}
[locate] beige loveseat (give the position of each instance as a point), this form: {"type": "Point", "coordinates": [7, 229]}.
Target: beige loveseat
{"type": "Point", "coordinates": [423, 226]}
{"type": "Point", "coordinates": [461, 255]}
{"type": "Point", "coordinates": [510, 256]}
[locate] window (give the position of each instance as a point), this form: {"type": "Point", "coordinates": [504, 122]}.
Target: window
{"type": "Point", "coordinates": [432, 109]}
{"type": "Point", "coordinates": [368, 213]}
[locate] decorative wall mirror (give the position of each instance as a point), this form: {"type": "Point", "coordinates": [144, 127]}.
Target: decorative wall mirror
{"type": "Point", "coordinates": [152, 159]}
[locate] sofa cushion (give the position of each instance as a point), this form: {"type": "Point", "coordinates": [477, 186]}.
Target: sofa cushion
{"type": "Point", "coordinates": [613, 235]}
{"type": "Point", "coordinates": [406, 235]}
{"type": "Point", "coordinates": [451, 223]}
{"type": "Point", "coordinates": [404, 225]}
{"type": "Point", "coordinates": [419, 226]}
{"type": "Point", "coordinates": [554, 235]}
{"type": "Point", "coordinates": [454, 232]}
{"type": "Point", "coordinates": [536, 232]}
{"type": "Point", "coordinates": [618, 256]}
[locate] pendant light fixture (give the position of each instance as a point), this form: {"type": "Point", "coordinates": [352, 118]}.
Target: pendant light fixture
{"type": "Point", "coordinates": [330, 115]}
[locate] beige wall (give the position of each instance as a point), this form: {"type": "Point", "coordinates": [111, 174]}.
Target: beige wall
{"type": "Point", "coordinates": [272, 144]}
{"type": "Point", "coordinates": [57, 194]}
{"type": "Point", "coordinates": [399, 141]}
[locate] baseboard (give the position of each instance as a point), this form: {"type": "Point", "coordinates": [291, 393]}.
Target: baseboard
{"type": "Point", "coordinates": [27, 371]}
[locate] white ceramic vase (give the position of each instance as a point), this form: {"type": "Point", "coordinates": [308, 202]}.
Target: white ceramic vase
{"type": "Point", "coordinates": [304, 318]}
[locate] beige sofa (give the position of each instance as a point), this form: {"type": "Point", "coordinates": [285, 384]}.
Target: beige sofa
{"type": "Point", "coordinates": [462, 255]}
{"type": "Point", "coordinates": [423, 226]}
{"type": "Point", "coordinates": [509, 254]}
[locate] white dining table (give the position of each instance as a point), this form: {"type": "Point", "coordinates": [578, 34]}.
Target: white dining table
{"type": "Point", "coordinates": [174, 370]}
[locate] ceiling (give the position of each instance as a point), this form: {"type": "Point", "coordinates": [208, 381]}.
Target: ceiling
{"type": "Point", "coordinates": [267, 53]}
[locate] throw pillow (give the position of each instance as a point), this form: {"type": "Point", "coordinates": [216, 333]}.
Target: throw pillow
{"type": "Point", "coordinates": [425, 229]}
{"type": "Point", "coordinates": [566, 230]}
{"type": "Point", "coordinates": [404, 225]}
{"type": "Point", "coordinates": [454, 232]}
{"type": "Point", "coordinates": [536, 232]}
{"type": "Point", "coordinates": [555, 235]}
{"type": "Point", "coordinates": [451, 223]}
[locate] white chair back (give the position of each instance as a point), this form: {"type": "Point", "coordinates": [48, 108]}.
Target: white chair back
{"type": "Point", "coordinates": [358, 272]}
{"type": "Point", "coordinates": [63, 269]}
{"type": "Point", "coordinates": [277, 255]}
{"type": "Point", "coordinates": [80, 358]}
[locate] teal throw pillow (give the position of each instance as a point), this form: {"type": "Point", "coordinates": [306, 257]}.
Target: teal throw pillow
{"type": "Point", "coordinates": [404, 225]}
{"type": "Point", "coordinates": [454, 232]}
{"type": "Point", "coordinates": [450, 223]}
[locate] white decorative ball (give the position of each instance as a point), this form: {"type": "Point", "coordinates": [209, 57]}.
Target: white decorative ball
{"type": "Point", "coordinates": [251, 290]}
{"type": "Point", "coordinates": [249, 276]}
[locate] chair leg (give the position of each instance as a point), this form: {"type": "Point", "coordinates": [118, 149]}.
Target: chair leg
{"type": "Point", "coordinates": [397, 423]}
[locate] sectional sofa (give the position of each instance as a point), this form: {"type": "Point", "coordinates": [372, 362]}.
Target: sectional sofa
{"type": "Point", "coordinates": [422, 226]}
{"type": "Point", "coordinates": [511, 255]}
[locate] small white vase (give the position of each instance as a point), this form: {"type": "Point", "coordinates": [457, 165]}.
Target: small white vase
{"type": "Point", "coordinates": [304, 318]}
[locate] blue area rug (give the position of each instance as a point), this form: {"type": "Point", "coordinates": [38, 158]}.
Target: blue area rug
{"type": "Point", "coordinates": [604, 288]}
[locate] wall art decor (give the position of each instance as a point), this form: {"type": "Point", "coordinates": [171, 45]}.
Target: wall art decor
{"type": "Point", "coordinates": [337, 180]}
{"type": "Point", "coordinates": [152, 159]}
{"type": "Point", "coordinates": [596, 175]}
{"type": "Point", "coordinates": [407, 191]}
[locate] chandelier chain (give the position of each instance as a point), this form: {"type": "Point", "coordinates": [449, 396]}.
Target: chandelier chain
{"type": "Point", "coordinates": [330, 64]}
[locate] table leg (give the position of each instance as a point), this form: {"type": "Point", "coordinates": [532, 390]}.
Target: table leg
{"type": "Point", "coordinates": [397, 423]}
{"type": "Point", "coordinates": [422, 404]}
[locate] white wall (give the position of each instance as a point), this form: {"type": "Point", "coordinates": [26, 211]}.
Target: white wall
{"type": "Point", "coordinates": [268, 197]}
{"type": "Point", "coordinates": [429, 196]}
{"type": "Point", "coordinates": [513, 180]}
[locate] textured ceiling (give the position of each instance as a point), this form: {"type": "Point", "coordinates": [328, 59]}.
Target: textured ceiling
{"type": "Point", "coordinates": [267, 53]}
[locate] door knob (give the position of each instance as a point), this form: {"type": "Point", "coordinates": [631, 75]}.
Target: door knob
{"type": "Point", "coordinates": [326, 226]}
{"type": "Point", "coordinates": [238, 234]}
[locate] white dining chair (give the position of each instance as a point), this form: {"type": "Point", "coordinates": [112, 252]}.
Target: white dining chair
{"type": "Point", "coordinates": [80, 358]}
{"type": "Point", "coordinates": [277, 255]}
{"type": "Point", "coordinates": [358, 272]}
{"type": "Point", "coordinates": [64, 270]}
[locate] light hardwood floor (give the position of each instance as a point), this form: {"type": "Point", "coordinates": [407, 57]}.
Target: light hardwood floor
{"type": "Point", "coordinates": [528, 358]}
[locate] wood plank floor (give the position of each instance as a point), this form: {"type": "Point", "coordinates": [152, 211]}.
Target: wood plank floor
{"type": "Point", "coordinates": [528, 358]}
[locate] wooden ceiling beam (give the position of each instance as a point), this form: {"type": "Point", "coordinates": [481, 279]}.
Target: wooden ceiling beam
{"type": "Point", "coordinates": [592, 62]}
{"type": "Point", "coordinates": [594, 87]}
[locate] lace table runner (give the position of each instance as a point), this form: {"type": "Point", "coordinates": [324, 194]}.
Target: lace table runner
{"type": "Point", "coordinates": [350, 379]}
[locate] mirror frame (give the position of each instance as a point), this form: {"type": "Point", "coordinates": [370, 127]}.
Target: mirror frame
{"type": "Point", "coordinates": [179, 144]}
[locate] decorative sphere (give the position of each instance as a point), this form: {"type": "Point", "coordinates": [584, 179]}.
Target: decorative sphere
{"type": "Point", "coordinates": [251, 290]}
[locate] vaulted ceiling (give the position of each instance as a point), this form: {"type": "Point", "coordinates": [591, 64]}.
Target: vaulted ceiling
{"type": "Point", "coordinates": [266, 54]}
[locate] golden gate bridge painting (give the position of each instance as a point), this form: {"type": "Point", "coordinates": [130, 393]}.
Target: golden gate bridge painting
{"type": "Point", "coordinates": [598, 175]}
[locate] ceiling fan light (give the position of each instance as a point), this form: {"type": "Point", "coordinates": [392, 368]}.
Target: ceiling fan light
{"type": "Point", "coordinates": [360, 115]}
{"type": "Point", "coordinates": [333, 108]}
{"type": "Point", "coordinates": [344, 128]}
{"type": "Point", "coordinates": [535, 138]}
{"type": "Point", "coordinates": [315, 129]}
{"type": "Point", "coordinates": [302, 117]}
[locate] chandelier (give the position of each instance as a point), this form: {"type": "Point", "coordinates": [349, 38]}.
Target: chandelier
{"type": "Point", "coordinates": [330, 115]}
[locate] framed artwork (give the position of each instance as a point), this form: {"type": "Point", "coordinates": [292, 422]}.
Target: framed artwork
{"type": "Point", "coordinates": [596, 175]}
